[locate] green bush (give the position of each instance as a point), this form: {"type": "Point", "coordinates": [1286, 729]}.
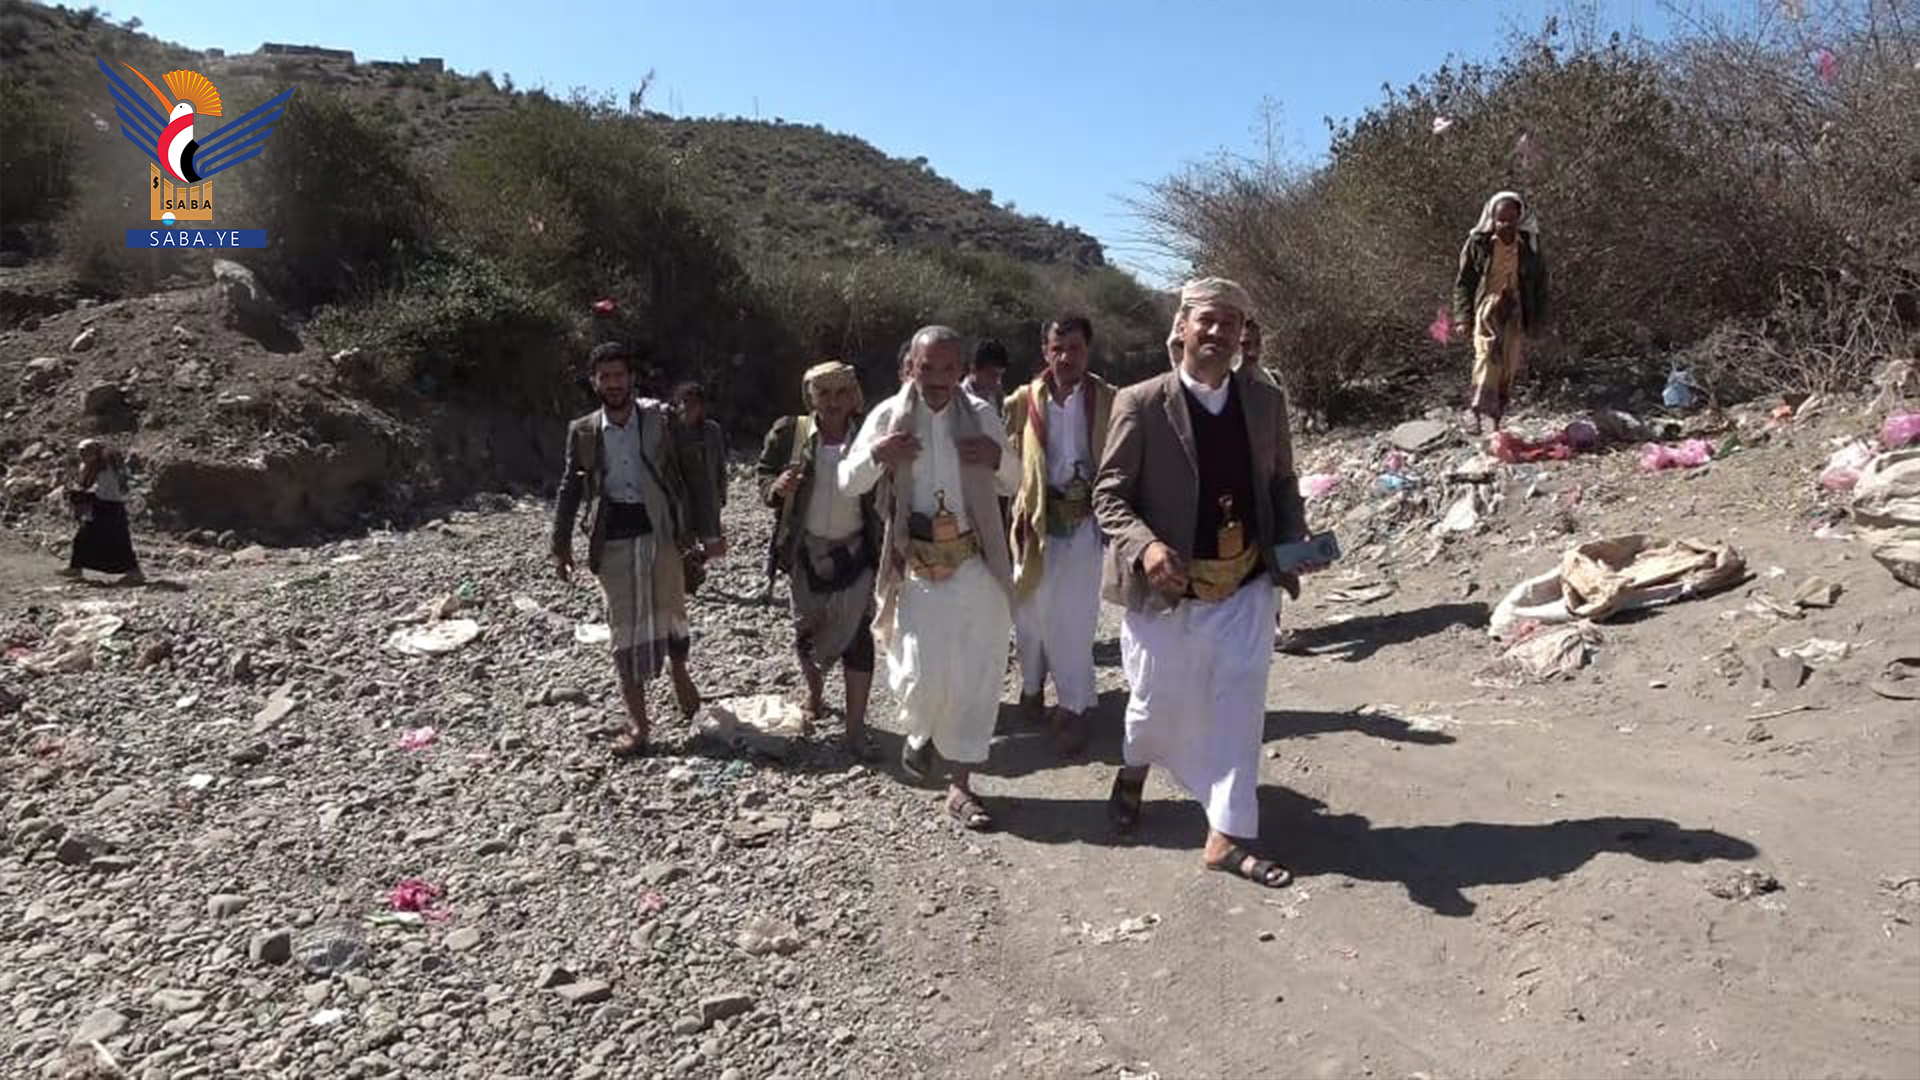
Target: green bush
{"type": "Point", "coordinates": [36, 154]}
{"type": "Point", "coordinates": [457, 326]}
{"type": "Point", "coordinates": [343, 208]}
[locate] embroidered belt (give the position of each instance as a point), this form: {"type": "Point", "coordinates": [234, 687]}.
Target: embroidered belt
{"type": "Point", "coordinates": [1064, 514]}
{"type": "Point", "coordinates": [1213, 580]}
{"type": "Point", "coordinates": [937, 560]}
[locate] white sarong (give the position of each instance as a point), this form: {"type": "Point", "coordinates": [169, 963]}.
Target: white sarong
{"type": "Point", "coordinates": [1056, 623]}
{"type": "Point", "coordinates": [947, 660]}
{"type": "Point", "coordinates": [1198, 707]}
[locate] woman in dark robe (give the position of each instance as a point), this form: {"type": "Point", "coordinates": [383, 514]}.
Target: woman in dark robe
{"type": "Point", "coordinates": [99, 496]}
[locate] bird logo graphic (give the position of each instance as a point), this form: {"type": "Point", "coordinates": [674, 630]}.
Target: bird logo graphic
{"type": "Point", "coordinates": [179, 153]}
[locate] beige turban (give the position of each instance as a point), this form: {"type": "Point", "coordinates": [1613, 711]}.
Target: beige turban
{"type": "Point", "coordinates": [827, 375]}
{"type": "Point", "coordinates": [1207, 290]}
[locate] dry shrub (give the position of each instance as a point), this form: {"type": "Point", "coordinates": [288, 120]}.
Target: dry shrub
{"type": "Point", "coordinates": [1722, 180]}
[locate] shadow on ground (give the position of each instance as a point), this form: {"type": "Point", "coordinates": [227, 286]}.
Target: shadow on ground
{"type": "Point", "coordinates": [1435, 863]}
{"type": "Point", "coordinates": [1358, 639]}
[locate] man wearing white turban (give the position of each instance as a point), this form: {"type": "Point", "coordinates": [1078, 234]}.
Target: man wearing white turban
{"type": "Point", "coordinates": [1500, 293]}
{"type": "Point", "coordinates": [1196, 487]}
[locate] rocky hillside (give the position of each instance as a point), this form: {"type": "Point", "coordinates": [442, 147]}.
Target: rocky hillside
{"type": "Point", "coordinates": [411, 340]}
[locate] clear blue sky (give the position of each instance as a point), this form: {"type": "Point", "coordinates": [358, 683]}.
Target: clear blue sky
{"type": "Point", "coordinates": [1064, 107]}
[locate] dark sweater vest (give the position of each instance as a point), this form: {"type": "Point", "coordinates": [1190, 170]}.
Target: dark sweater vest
{"type": "Point", "coordinates": [1226, 471]}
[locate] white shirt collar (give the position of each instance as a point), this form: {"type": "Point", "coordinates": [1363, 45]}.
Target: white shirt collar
{"type": "Point", "coordinates": [606, 421]}
{"type": "Point", "coordinates": [1215, 399]}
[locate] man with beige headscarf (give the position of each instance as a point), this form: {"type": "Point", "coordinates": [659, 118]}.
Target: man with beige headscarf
{"type": "Point", "coordinates": [937, 459]}
{"type": "Point", "coordinates": [827, 542]}
{"type": "Point", "coordinates": [1196, 487]}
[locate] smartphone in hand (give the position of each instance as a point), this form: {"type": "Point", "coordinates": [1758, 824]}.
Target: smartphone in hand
{"type": "Point", "coordinates": [1320, 549]}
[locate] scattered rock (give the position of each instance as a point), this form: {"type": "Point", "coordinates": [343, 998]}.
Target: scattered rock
{"type": "Point", "coordinates": [42, 373]}
{"type": "Point", "coordinates": [226, 905]}
{"type": "Point", "coordinates": [689, 1025]}
{"type": "Point", "coordinates": [659, 874]}
{"type": "Point", "coordinates": [592, 992]}
{"type": "Point", "coordinates": [1782, 672]}
{"type": "Point", "coordinates": [1817, 592]}
{"type": "Point", "coordinates": [553, 976]}
{"type": "Point", "coordinates": [1420, 436]}
{"type": "Point", "coordinates": [563, 695]}
{"type": "Point", "coordinates": [279, 706]}
{"type": "Point", "coordinates": [20, 490]}
{"type": "Point", "coordinates": [272, 947]}
{"type": "Point", "coordinates": [826, 820]}
{"type": "Point", "coordinates": [79, 849]}
{"type": "Point", "coordinates": [105, 399]}
{"type": "Point", "coordinates": [100, 1025]}
{"type": "Point", "coordinates": [762, 936]}
{"type": "Point", "coordinates": [248, 308]}
{"type": "Point", "coordinates": [177, 1002]}
{"type": "Point", "coordinates": [724, 1007]}
{"type": "Point", "coordinates": [84, 340]}
{"type": "Point", "coordinates": [463, 939]}
{"type": "Point", "coordinates": [251, 754]}
{"type": "Point", "coordinates": [1744, 885]}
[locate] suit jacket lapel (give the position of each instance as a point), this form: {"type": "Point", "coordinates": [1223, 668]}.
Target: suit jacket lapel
{"type": "Point", "coordinates": [1176, 404]}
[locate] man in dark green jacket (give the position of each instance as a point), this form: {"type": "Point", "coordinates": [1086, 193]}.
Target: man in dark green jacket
{"type": "Point", "coordinates": [827, 543]}
{"type": "Point", "coordinates": [1500, 295]}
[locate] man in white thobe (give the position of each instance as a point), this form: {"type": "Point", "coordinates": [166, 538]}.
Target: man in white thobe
{"type": "Point", "coordinates": [1058, 422]}
{"type": "Point", "coordinates": [939, 460]}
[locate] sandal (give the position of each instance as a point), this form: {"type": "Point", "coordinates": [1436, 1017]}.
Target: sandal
{"type": "Point", "coordinates": [630, 745]}
{"type": "Point", "coordinates": [1033, 709]}
{"type": "Point", "coordinates": [1900, 681]}
{"type": "Point", "coordinates": [1261, 871]}
{"type": "Point", "coordinates": [969, 811]}
{"type": "Point", "coordinates": [1070, 736]}
{"type": "Point", "coordinates": [918, 763]}
{"type": "Point", "coordinates": [861, 747]}
{"type": "Point", "coordinates": [688, 709]}
{"type": "Point", "coordinates": [808, 714]}
{"type": "Point", "coordinates": [1123, 805]}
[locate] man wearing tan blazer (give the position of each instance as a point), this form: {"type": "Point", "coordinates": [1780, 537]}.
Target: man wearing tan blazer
{"type": "Point", "coordinates": [1196, 487]}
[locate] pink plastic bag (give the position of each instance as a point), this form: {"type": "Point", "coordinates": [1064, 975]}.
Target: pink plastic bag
{"type": "Point", "coordinates": [1688, 455]}
{"type": "Point", "coordinates": [1900, 430]}
{"type": "Point", "coordinates": [1843, 468]}
{"type": "Point", "coordinates": [418, 739]}
{"type": "Point", "coordinates": [1317, 485]}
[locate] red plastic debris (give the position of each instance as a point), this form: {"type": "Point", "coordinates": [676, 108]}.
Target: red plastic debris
{"type": "Point", "coordinates": [418, 739]}
{"type": "Point", "coordinates": [417, 895]}
{"type": "Point", "coordinates": [1827, 64]}
{"type": "Point", "coordinates": [605, 307]}
{"type": "Point", "coordinates": [1441, 328]}
{"type": "Point", "coordinates": [1512, 449]}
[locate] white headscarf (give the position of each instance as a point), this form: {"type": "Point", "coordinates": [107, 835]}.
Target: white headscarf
{"type": "Point", "coordinates": [1529, 222]}
{"type": "Point", "coordinates": [1208, 290]}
